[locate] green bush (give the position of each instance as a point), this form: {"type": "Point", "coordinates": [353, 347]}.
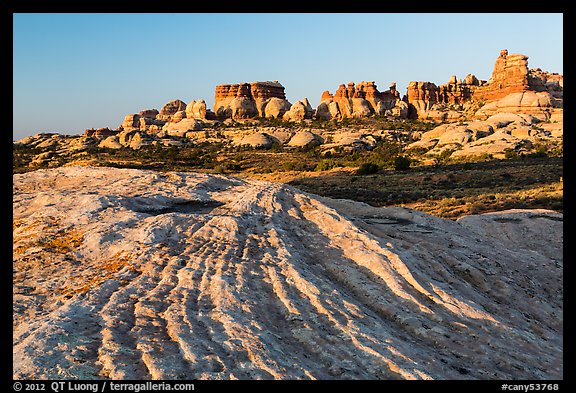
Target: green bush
{"type": "Point", "coordinates": [402, 163]}
{"type": "Point", "coordinates": [367, 168]}
{"type": "Point", "coordinates": [227, 167]}
{"type": "Point", "coordinates": [325, 165]}
{"type": "Point", "coordinates": [510, 153]}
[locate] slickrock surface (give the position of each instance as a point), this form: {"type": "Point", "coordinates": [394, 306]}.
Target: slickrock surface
{"type": "Point", "coordinates": [133, 274]}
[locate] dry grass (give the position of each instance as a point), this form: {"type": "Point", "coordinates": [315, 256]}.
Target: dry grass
{"type": "Point", "coordinates": [450, 191]}
{"type": "Point", "coordinates": [97, 275]}
{"type": "Point", "coordinates": [545, 197]}
{"type": "Point", "coordinates": [63, 242]}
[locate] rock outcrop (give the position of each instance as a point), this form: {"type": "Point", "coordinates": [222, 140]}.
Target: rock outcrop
{"type": "Point", "coordinates": [305, 139]}
{"type": "Point", "coordinates": [248, 99]}
{"type": "Point", "coordinates": [539, 104]}
{"type": "Point", "coordinates": [131, 122]}
{"type": "Point", "coordinates": [128, 274]}
{"type": "Point", "coordinates": [100, 132]}
{"type": "Point", "coordinates": [181, 127]}
{"type": "Point", "coordinates": [275, 108]}
{"type": "Point", "coordinates": [300, 110]}
{"type": "Point", "coordinates": [510, 75]}
{"type": "Point", "coordinates": [257, 140]}
{"type": "Point", "coordinates": [551, 82]}
{"type": "Point", "coordinates": [360, 100]}
{"type": "Point", "coordinates": [196, 109]}
{"type": "Point", "coordinates": [492, 136]}
{"type": "Point", "coordinates": [510, 80]}
{"type": "Point", "coordinates": [149, 113]}
{"type": "Point", "coordinates": [170, 108]}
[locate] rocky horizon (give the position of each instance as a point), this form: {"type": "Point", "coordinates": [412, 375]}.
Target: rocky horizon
{"type": "Point", "coordinates": [423, 100]}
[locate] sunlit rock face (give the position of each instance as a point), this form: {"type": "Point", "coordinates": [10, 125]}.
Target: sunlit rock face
{"type": "Point", "coordinates": [247, 100]}
{"type": "Point", "coordinates": [135, 274]}
{"type": "Point", "coordinates": [359, 100]}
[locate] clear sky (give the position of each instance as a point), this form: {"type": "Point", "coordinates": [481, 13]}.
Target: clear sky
{"type": "Point", "coordinates": [88, 70]}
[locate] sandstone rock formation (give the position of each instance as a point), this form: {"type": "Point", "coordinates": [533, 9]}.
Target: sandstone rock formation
{"type": "Point", "coordinates": [360, 100]}
{"type": "Point", "coordinates": [300, 110]}
{"type": "Point", "coordinates": [196, 109]}
{"type": "Point", "coordinates": [112, 142]}
{"type": "Point", "coordinates": [305, 139]}
{"type": "Point", "coordinates": [539, 104]}
{"type": "Point", "coordinates": [181, 127]}
{"type": "Point", "coordinates": [492, 136]}
{"type": "Point", "coordinates": [510, 81]}
{"type": "Point", "coordinates": [257, 140]}
{"type": "Point", "coordinates": [510, 75]}
{"type": "Point", "coordinates": [349, 141]}
{"type": "Point", "coordinates": [428, 101]}
{"type": "Point", "coordinates": [100, 132]}
{"type": "Point", "coordinates": [275, 108]}
{"type": "Point", "coordinates": [170, 108]}
{"type": "Point", "coordinates": [252, 97]}
{"type": "Point", "coordinates": [149, 113]}
{"type": "Point", "coordinates": [551, 82]}
{"type": "Point", "coordinates": [151, 125]}
{"type": "Point", "coordinates": [176, 117]}
{"type": "Point", "coordinates": [137, 275]}
{"type": "Point", "coordinates": [131, 122]}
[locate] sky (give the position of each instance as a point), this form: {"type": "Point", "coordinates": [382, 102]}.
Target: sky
{"type": "Point", "coordinates": [74, 71]}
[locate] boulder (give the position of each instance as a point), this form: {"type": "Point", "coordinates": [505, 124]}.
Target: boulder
{"type": "Point", "coordinates": [471, 80]}
{"type": "Point", "coordinates": [149, 113]}
{"type": "Point", "coordinates": [361, 107]}
{"type": "Point", "coordinates": [400, 109]}
{"type": "Point", "coordinates": [199, 110]}
{"type": "Point", "coordinates": [111, 143]}
{"type": "Point", "coordinates": [131, 122]}
{"type": "Point", "coordinates": [170, 108]}
{"type": "Point", "coordinates": [257, 140]}
{"type": "Point", "coordinates": [243, 108]}
{"type": "Point", "coordinates": [322, 111]}
{"type": "Point", "coordinates": [183, 126]}
{"type": "Point", "coordinates": [304, 139]}
{"type": "Point", "coordinates": [190, 109]}
{"type": "Point", "coordinates": [299, 111]}
{"type": "Point", "coordinates": [494, 144]}
{"type": "Point", "coordinates": [124, 137]}
{"type": "Point", "coordinates": [151, 125]}
{"type": "Point", "coordinates": [537, 104]}
{"type": "Point", "coordinates": [276, 108]}
{"type": "Point", "coordinates": [139, 140]}
{"type": "Point", "coordinates": [176, 117]}
{"type": "Point", "coordinates": [334, 110]}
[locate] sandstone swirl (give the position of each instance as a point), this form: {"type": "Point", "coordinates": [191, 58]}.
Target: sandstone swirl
{"type": "Point", "coordinates": [133, 274]}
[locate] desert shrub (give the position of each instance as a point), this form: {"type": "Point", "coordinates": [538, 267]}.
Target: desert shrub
{"type": "Point", "coordinates": [443, 157]}
{"type": "Point", "coordinates": [227, 167]}
{"type": "Point", "coordinates": [386, 153]}
{"type": "Point", "coordinates": [510, 153]}
{"type": "Point", "coordinates": [367, 168]}
{"type": "Point", "coordinates": [402, 163]}
{"type": "Point", "coordinates": [540, 151]}
{"type": "Point", "coordinates": [276, 147]}
{"type": "Point", "coordinates": [417, 151]}
{"type": "Point", "coordinates": [325, 165]}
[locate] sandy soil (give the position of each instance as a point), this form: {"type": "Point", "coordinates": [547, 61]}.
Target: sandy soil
{"type": "Point", "coordinates": [133, 274]}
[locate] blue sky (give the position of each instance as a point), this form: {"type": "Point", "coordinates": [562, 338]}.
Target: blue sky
{"type": "Point", "coordinates": [79, 71]}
